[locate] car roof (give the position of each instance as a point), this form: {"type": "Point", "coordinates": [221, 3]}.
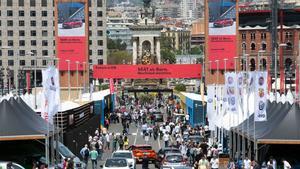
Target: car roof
{"type": "Point", "coordinates": [142, 145]}
{"type": "Point", "coordinates": [123, 151]}
{"type": "Point", "coordinates": [117, 158]}
{"type": "Point", "coordinates": [170, 148]}
{"type": "Point", "coordinates": [171, 154]}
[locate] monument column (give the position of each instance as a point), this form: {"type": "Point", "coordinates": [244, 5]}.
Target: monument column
{"type": "Point", "coordinates": [135, 51]}
{"type": "Point", "coordinates": [158, 50]}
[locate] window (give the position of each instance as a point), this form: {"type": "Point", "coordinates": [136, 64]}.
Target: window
{"type": "Point", "coordinates": [10, 53]}
{"type": "Point", "coordinates": [44, 52]}
{"type": "Point", "coordinates": [288, 35]}
{"type": "Point", "coordinates": [1, 55]}
{"type": "Point", "coordinates": [33, 42]}
{"type": "Point", "coordinates": [289, 46]}
{"type": "Point", "coordinates": [21, 2]}
{"type": "Point", "coordinates": [9, 2]}
{"type": "Point", "coordinates": [44, 23]}
{"type": "Point", "coordinates": [32, 13]}
{"type": "Point", "coordinates": [252, 36]}
{"type": "Point", "coordinates": [33, 51]}
{"type": "Point", "coordinates": [44, 63]}
{"type": "Point", "coordinates": [21, 23]}
{"type": "Point", "coordinates": [32, 3]}
{"type": "Point", "coordinates": [32, 62]}
{"type": "Point", "coordinates": [99, 3]}
{"type": "Point", "coordinates": [90, 42]}
{"type": "Point", "coordinates": [21, 13]}
{"type": "Point", "coordinates": [44, 13]}
{"type": "Point", "coordinates": [22, 62]}
{"type": "Point", "coordinates": [0, 60]}
{"type": "Point", "coordinates": [263, 35]}
{"type": "Point", "coordinates": [22, 52]}
{"type": "Point", "coordinates": [90, 52]}
{"type": "Point", "coordinates": [10, 43]}
{"type": "Point", "coordinates": [90, 13]}
{"type": "Point", "coordinates": [252, 46]}
{"type": "Point", "coordinates": [44, 3]}
{"type": "Point", "coordinates": [100, 52]}
{"type": "Point", "coordinates": [10, 62]}
{"type": "Point", "coordinates": [100, 42]}
{"type": "Point", "coordinates": [32, 23]}
{"type": "Point", "coordinates": [9, 13]}
{"type": "Point", "coordinates": [44, 43]}
{"type": "Point", "coordinates": [10, 23]}
{"type": "Point", "coordinates": [99, 14]}
{"type": "Point", "coordinates": [263, 46]}
{"type": "Point", "coordinates": [44, 33]}
{"type": "Point", "coordinates": [0, 35]}
{"type": "Point", "coordinates": [99, 23]}
{"type": "Point", "coordinates": [10, 33]}
{"type": "Point", "coordinates": [90, 33]}
{"type": "Point", "coordinates": [100, 61]}
{"type": "Point", "coordinates": [90, 23]}
{"type": "Point", "coordinates": [21, 42]}
{"type": "Point", "coordinates": [32, 33]}
{"type": "Point", "coordinates": [99, 33]}
{"type": "Point", "coordinates": [90, 3]}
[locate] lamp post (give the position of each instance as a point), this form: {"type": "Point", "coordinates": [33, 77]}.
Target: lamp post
{"type": "Point", "coordinates": [275, 67]}
{"type": "Point", "coordinates": [5, 64]}
{"type": "Point", "coordinates": [77, 62]}
{"type": "Point", "coordinates": [84, 74]}
{"type": "Point", "coordinates": [35, 67]}
{"type": "Point", "coordinates": [69, 80]}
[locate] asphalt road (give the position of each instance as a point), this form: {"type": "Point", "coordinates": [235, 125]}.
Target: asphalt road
{"type": "Point", "coordinates": [135, 138]}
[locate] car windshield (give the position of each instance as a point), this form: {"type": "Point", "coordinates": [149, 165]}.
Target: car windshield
{"type": "Point", "coordinates": [116, 163]}
{"type": "Point", "coordinates": [172, 151]}
{"type": "Point", "coordinates": [122, 155]}
{"type": "Point", "coordinates": [174, 158]}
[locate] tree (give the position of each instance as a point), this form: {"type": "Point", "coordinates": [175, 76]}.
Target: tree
{"type": "Point", "coordinates": [116, 44]}
{"type": "Point", "coordinates": [119, 57]}
{"type": "Point", "coordinates": [167, 51]}
{"type": "Point", "coordinates": [180, 87]}
{"type": "Point", "coordinates": [196, 51]}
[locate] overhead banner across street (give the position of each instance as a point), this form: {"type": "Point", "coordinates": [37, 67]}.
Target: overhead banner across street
{"type": "Point", "coordinates": [147, 71]}
{"type": "Point", "coordinates": [221, 21]}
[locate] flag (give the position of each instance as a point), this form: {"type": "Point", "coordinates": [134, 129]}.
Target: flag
{"type": "Point", "coordinates": [231, 84]}
{"type": "Point", "coordinates": [210, 106]}
{"type": "Point", "coordinates": [51, 94]}
{"type": "Point", "coordinates": [261, 96]}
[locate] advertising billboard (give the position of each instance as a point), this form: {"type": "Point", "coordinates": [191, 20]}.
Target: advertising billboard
{"type": "Point", "coordinates": [147, 71]}
{"type": "Point", "coordinates": [71, 38]}
{"type": "Point", "coordinates": [222, 32]}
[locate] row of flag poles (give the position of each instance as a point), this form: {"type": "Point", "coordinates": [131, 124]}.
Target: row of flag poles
{"type": "Point", "coordinates": [244, 94]}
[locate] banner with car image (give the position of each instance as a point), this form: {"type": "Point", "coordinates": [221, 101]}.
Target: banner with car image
{"type": "Point", "coordinates": [261, 96]}
{"type": "Point", "coordinates": [222, 32]}
{"type": "Point", "coordinates": [71, 38]}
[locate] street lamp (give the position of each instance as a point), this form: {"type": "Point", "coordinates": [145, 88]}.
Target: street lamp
{"type": "Point", "coordinates": [6, 76]}
{"type": "Point", "coordinates": [35, 67]}
{"type": "Point", "coordinates": [69, 79]}
{"type": "Point", "coordinates": [77, 62]}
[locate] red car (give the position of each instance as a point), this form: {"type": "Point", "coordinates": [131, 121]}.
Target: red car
{"type": "Point", "coordinates": [223, 22]}
{"type": "Point", "coordinates": [72, 23]}
{"type": "Point", "coordinates": [142, 150]}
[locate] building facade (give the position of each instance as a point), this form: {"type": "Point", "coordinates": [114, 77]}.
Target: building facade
{"type": "Point", "coordinates": [27, 36]}
{"type": "Point", "coordinates": [180, 39]}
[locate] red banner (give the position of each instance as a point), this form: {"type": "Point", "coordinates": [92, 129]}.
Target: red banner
{"type": "Point", "coordinates": [147, 71]}
{"type": "Point", "coordinates": [71, 38]}
{"type": "Point", "coordinates": [111, 86]}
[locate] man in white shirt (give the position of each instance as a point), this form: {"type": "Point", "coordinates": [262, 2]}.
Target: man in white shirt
{"type": "Point", "coordinates": [286, 165]}
{"type": "Point", "coordinates": [187, 118]}
{"type": "Point", "coordinates": [247, 163]}
{"type": "Point", "coordinates": [214, 162]}
{"type": "Point", "coordinates": [166, 138]}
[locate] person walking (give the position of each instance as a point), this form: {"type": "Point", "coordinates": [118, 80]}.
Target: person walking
{"type": "Point", "coordinates": [94, 156]}
{"type": "Point", "coordinates": [247, 163]}
{"type": "Point", "coordinates": [146, 137]}
{"type": "Point", "coordinates": [107, 138]}
{"type": "Point", "coordinates": [85, 153]}
{"type": "Point", "coordinates": [126, 142]}
{"type": "Point", "coordinates": [203, 163]}
{"type": "Point", "coordinates": [166, 138]}
{"type": "Point", "coordinates": [121, 142]}
{"type": "Point", "coordinates": [214, 162]}
{"type": "Point", "coordinates": [115, 140]}
{"type": "Point", "coordinates": [286, 164]}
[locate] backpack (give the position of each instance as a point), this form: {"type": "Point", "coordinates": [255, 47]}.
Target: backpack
{"type": "Point", "coordinates": [86, 153]}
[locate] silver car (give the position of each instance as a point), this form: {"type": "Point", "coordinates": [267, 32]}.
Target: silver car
{"type": "Point", "coordinates": [173, 160]}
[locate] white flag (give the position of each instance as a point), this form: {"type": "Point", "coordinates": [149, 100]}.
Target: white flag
{"type": "Point", "coordinates": [51, 93]}
{"type": "Point", "coordinates": [261, 96]}
{"type": "Point", "coordinates": [231, 84]}
{"type": "Point", "coordinates": [210, 106]}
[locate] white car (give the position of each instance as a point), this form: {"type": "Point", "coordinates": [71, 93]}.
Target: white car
{"type": "Point", "coordinates": [4, 165]}
{"type": "Point", "coordinates": [128, 155]}
{"type": "Point", "coordinates": [116, 163]}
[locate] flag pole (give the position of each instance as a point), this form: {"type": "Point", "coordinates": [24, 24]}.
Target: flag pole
{"type": "Point", "coordinates": [217, 88]}
{"type": "Point", "coordinates": [222, 128]}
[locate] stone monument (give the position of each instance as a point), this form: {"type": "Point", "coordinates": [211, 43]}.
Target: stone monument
{"type": "Point", "coordinates": [146, 37]}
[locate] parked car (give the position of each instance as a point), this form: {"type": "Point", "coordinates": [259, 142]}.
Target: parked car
{"type": "Point", "coordinates": [72, 23]}
{"type": "Point", "coordinates": [223, 22]}
{"type": "Point", "coordinates": [162, 152]}
{"type": "Point", "coordinates": [116, 163]}
{"type": "Point", "coordinates": [141, 150]}
{"type": "Point", "coordinates": [159, 117]}
{"type": "Point", "coordinates": [127, 155]}
{"type": "Point", "coordinates": [173, 159]}
{"type": "Point", "coordinates": [5, 164]}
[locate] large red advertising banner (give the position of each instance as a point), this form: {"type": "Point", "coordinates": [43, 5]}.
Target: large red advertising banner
{"type": "Point", "coordinates": [71, 39]}
{"type": "Point", "coordinates": [222, 33]}
{"type": "Point", "coordinates": [147, 71]}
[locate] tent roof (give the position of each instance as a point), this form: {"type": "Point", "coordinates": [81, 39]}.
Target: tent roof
{"type": "Point", "coordinates": [18, 122]}
{"type": "Point", "coordinates": [282, 125]}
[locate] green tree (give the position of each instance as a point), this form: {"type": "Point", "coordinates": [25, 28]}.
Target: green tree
{"type": "Point", "coordinates": [119, 57]}
{"type": "Point", "coordinates": [167, 51]}
{"type": "Point", "coordinates": [180, 87]}
{"type": "Point", "coordinates": [116, 44]}
{"type": "Point", "coordinates": [196, 51]}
